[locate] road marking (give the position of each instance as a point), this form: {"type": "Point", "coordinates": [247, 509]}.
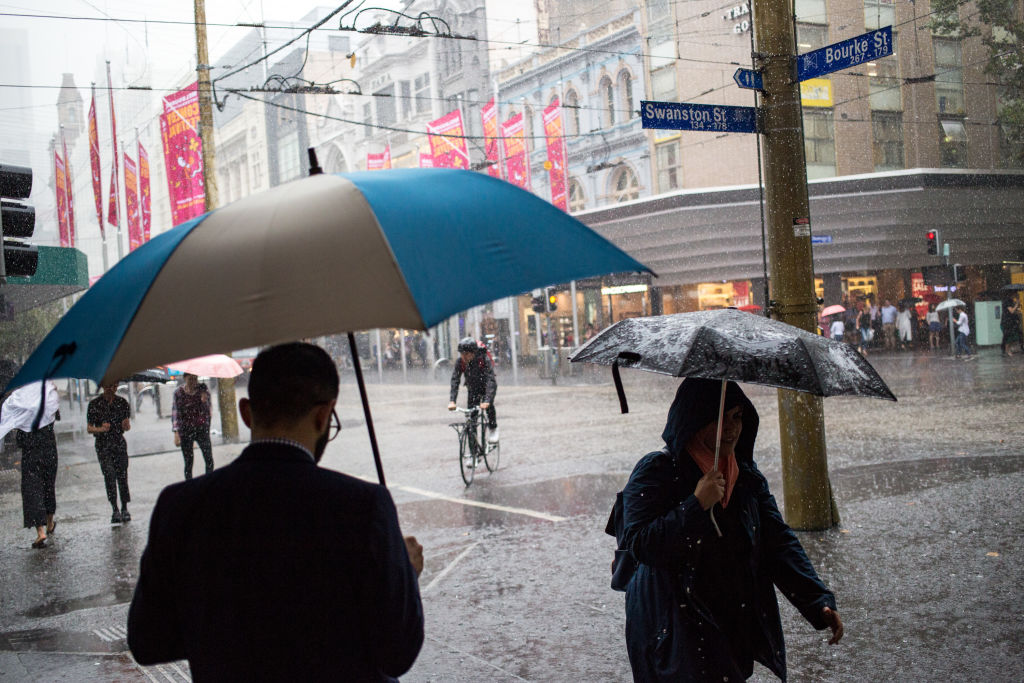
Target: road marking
{"type": "Point", "coordinates": [180, 672]}
{"type": "Point", "coordinates": [472, 656]}
{"type": "Point", "coordinates": [105, 635]}
{"type": "Point", "coordinates": [451, 565]}
{"type": "Point", "coordinates": [479, 504]}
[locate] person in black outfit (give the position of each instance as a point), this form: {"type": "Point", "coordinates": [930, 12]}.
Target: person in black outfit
{"type": "Point", "coordinates": [481, 384]}
{"type": "Point", "coordinates": [108, 418]}
{"type": "Point", "coordinates": [190, 421]}
{"type": "Point", "coordinates": [272, 568]}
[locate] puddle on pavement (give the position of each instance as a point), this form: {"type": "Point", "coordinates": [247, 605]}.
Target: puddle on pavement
{"type": "Point", "coordinates": [54, 608]}
{"type": "Point", "coordinates": [855, 484]}
{"type": "Point", "coordinates": [53, 640]}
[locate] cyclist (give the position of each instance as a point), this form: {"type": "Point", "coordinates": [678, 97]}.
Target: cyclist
{"type": "Point", "coordinates": [480, 381]}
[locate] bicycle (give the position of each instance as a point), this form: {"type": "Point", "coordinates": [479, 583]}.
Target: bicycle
{"type": "Point", "coordinates": [473, 444]}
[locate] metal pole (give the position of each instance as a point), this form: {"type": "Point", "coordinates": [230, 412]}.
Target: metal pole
{"type": "Point", "coordinates": [380, 359]}
{"type": "Point", "coordinates": [401, 344]}
{"type": "Point", "coordinates": [949, 295]}
{"type": "Point", "coordinates": [805, 482]}
{"type": "Point", "coordinates": [575, 315]}
{"type": "Point", "coordinates": [513, 318]}
{"type": "Point", "coordinates": [225, 387]}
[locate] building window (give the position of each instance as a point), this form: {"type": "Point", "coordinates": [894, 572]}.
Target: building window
{"type": "Point", "coordinates": [405, 88]}
{"type": "Point", "coordinates": [572, 113]}
{"type": "Point", "coordinates": [953, 144]}
{"type": "Point", "coordinates": [949, 76]}
{"type": "Point", "coordinates": [288, 159]}
{"type": "Point", "coordinates": [669, 170]}
{"type": "Point", "coordinates": [811, 11]}
{"type": "Point", "coordinates": [626, 93]}
{"type": "Point", "coordinates": [368, 120]}
{"type": "Point", "coordinates": [887, 130]}
{"type": "Point", "coordinates": [886, 94]}
{"type": "Point", "coordinates": [421, 91]}
{"type": "Point", "coordinates": [577, 202]}
{"type": "Point", "coordinates": [658, 10]}
{"type": "Point", "coordinates": [819, 144]}
{"type": "Point", "coordinates": [663, 84]}
{"type": "Point", "coordinates": [625, 184]}
{"type": "Point", "coordinates": [386, 112]}
{"type": "Point", "coordinates": [878, 14]}
{"type": "Point", "coordinates": [607, 101]}
{"type": "Point", "coordinates": [1011, 136]}
{"type": "Point", "coordinates": [810, 37]}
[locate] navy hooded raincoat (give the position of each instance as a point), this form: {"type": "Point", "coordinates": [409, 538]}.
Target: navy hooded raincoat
{"type": "Point", "coordinates": [700, 607]}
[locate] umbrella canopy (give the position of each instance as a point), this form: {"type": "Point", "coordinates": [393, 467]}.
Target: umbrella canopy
{"type": "Point", "coordinates": [730, 345]}
{"type": "Point", "coordinates": [151, 375]}
{"type": "Point", "coordinates": [216, 365]}
{"type": "Point", "coordinates": [750, 308]}
{"type": "Point", "coordinates": [949, 303]}
{"type": "Point", "coordinates": [325, 254]}
{"type": "Point", "coordinates": [832, 310]}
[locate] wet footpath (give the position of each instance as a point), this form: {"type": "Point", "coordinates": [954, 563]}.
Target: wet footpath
{"type": "Point", "coordinates": [926, 563]}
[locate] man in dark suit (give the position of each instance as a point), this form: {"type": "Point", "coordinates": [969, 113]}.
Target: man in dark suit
{"type": "Point", "coordinates": [272, 568]}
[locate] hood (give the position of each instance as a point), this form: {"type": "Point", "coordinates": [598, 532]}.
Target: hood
{"type": "Point", "coordinates": [696, 404]}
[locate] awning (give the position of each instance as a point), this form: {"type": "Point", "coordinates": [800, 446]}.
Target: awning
{"type": "Point", "coordinates": [61, 271]}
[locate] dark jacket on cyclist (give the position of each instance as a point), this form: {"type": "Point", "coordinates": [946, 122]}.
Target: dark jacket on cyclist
{"type": "Point", "coordinates": [481, 383]}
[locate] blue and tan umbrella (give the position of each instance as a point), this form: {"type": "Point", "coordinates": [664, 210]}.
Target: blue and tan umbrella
{"type": "Point", "coordinates": [402, 248]}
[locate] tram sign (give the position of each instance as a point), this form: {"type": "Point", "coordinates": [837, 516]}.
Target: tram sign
{"type": "Point", "coordinates": [844, 54]}
{"type": "Point", "coordinates": [712, 118]}
{"type": "Point", "coordinates": [821, 239]}
{"type": "Point", "coordinates": [748, 78]}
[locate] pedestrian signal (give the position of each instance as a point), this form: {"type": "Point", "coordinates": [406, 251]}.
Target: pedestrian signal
{"type": "Point", "coordinates": [17, 220]}
{"type": "Point", "coordinates": [538, 304]}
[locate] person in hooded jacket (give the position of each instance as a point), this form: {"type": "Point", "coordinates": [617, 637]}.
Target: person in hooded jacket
{"type": "Point", "coordinates": [700, 606]}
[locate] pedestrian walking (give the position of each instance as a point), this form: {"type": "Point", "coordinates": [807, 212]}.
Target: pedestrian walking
{"type": "Point", "coordinates": [108, 417]}
{"type": "Point", "coordinates": [904, 327]}
{"type": "Point", "coordinates": [272, 568]}
{"type": "Point", "coordinates": [963, 328]}
{"type": "Point", "coordinates": [838, 328]}
{"type": "Point", "coordinates": [888, 315]}
{"type": "Point", "coordinates": [865, 330]}
{"type": "Point", "coordinates": [190, 421]}
{"type": "Point", "coordinates": [702, 607]}
{"type": "Point", "coordinates": [38, 454]}
{"type": "Point", "coordinates": [1010, 325]}
{"type": "Point", "coordinates": [934, 327]}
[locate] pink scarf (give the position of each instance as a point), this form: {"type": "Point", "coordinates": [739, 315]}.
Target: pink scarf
{"type": "Point", "coordinates": [705, 459]}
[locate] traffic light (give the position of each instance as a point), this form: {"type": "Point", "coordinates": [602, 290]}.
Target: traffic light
{"type": "Point", "coordinates": [933, 242]}
{"type": "Point", "coordinates": [538, 304]}
{"type": "Point", "coordinates": [551, 299]}
{"type": "Point", "coordinates": [17, 220]}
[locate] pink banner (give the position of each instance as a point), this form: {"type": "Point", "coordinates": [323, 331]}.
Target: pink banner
{"type": "Point", "coordinates": [183, 156]}
{"type": "Point", "coordinates": [112, 213]}
{"type": "Point", "coordinates": [448, 142]}
{"type": "Point", "coordinates": [426, 161]}
{"type": "Point", "coordinates": [517, 166]}
{"type": "Point", "coordinates": [62, 199]}
{"type": "Point", "coordinates": [131, 203]}
{"type": "Point", "coordinates": [94, 161]}
{"type": "Point", "coordinates": [377, 162]}
{"type": "Point", "coordinates": [556, 154]}
{"type": "Point", "coordinates": [489, 115]}
{"type": "Point", "coordinates": [68, 187]}
{"type": "Point", "coordinates": [145, 213]}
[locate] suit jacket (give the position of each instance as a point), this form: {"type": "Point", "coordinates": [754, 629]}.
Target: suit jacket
{"type": "Point", "coordinates": [272, 568]}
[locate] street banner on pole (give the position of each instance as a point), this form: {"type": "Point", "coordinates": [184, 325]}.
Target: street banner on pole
{"type": "Point", "coordinates": [183, 154]}
{"type": "Point", "coordinates": [62, 199]}
{"type": "Point", "coordinates": [94, 161]}
{"type": "Point", "coordinates": [447, 143]}
{"type": "Point", "coordinates": [556, 154]}
{"type": "Point", "coordinates": [517, 166]}
{"type": "Point", "coordinates": [69, 185]}
{"type": "Point", "coordinates": [426, 160]}
{"type": "Point", "coordinates": [112, 212]}
{"type": "Point", "coordinates": [131, 203]}
{"type": "Point", "coordinates": [145, 209]}
{"type": "Point", "coordinates": [489, 115]}
{"type": "Point", "coordinates": [377, 162]}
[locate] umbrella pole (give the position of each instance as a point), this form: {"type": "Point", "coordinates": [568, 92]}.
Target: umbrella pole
{"type": "Point", "coordinates": [366, 407]}
{"type": "Point", "coordinates": [718, 448]}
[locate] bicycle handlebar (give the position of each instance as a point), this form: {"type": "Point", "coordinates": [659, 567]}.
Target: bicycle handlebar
{"type": "Point", "coordinates": [475, 409]}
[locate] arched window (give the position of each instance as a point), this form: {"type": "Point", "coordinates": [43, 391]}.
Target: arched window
{"type": "Point", "coordinates": [572, 113]}
{"type": "Point", "coordinates": [607, 101]}
{"type": "Point", "coordinates": [577, 202]}
{"type": "Point", "coordinates": [625, 185]}
{"type": "Point", "coordinates": [626, 94]}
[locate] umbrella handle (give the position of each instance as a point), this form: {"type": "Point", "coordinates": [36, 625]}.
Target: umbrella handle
{"type": "Point", "coordinates": [718, 448]}
{"type": "Point", "coordinates": [714, 522]}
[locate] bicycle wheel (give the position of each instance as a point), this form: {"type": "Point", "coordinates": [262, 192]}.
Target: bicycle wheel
{"type": "Point", "coordinates": [467, 455]}
{"type": "Point", "coordinates": [492, 455]}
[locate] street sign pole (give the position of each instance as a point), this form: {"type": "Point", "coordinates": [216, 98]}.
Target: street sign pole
{"type": "Point", "coordinates": [808, 493]}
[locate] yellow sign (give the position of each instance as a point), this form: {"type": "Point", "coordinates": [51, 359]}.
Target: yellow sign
{"type": "Point", "coordinates": [547, 165]}
{"type": "Point", "coordinates": [816, 92]}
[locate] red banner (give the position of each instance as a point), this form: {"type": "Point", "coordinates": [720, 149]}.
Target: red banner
{"type": "Point", "coordinates": [68, 185]}
{"type": "Point", "coordinates": [377, 162]}
{"type": "Point", "coordinates": [112, 213]}
{"type": "Point", "coordinates": [517, 166]}
{"type": "Point", "coordinates": [489, 115]}
{"type": "Point", "coordinates": [94, 161]}
{"type": "Point", "coordinates": [426, 161]}
{"type": "Point", "coordinates": [556, 155]}
{"type": "Point", "coordinates": [131, 203]}
{"type": "Point", "coordinates": [183, 154]}
{"type": "Point", "coordinates": [62, 199]}
{"type": "Point", "coordinates": [447, 141]}
{"type": "Point", "coordinates": [145, 213]}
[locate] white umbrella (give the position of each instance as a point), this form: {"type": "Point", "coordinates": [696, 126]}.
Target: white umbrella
{"type": "Point", "coordinates": [216, 365]}
{"type": "Point", "coordinates": [949, 303]}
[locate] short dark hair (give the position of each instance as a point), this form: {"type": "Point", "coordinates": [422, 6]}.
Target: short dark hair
{"type": "Point", "coordinates": [287, 380]}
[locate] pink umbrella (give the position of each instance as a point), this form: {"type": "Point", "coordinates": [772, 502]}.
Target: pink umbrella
{"type": "Point", "coordinates": [217, 365]}
{"type": "Point", "coordinates": [832, 310]}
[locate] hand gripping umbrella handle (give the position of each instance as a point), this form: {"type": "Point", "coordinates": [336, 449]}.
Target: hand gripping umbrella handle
{"type": "Point", "coordinates": [718, 448]}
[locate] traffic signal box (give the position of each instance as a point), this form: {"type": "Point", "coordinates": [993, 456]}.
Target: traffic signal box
{"type": "Point", "coordinates": [18, 222]}
{"type": "Point", "coordinates": [932, 237]}
{"type": "Point", "coordinates": [551, 297]}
